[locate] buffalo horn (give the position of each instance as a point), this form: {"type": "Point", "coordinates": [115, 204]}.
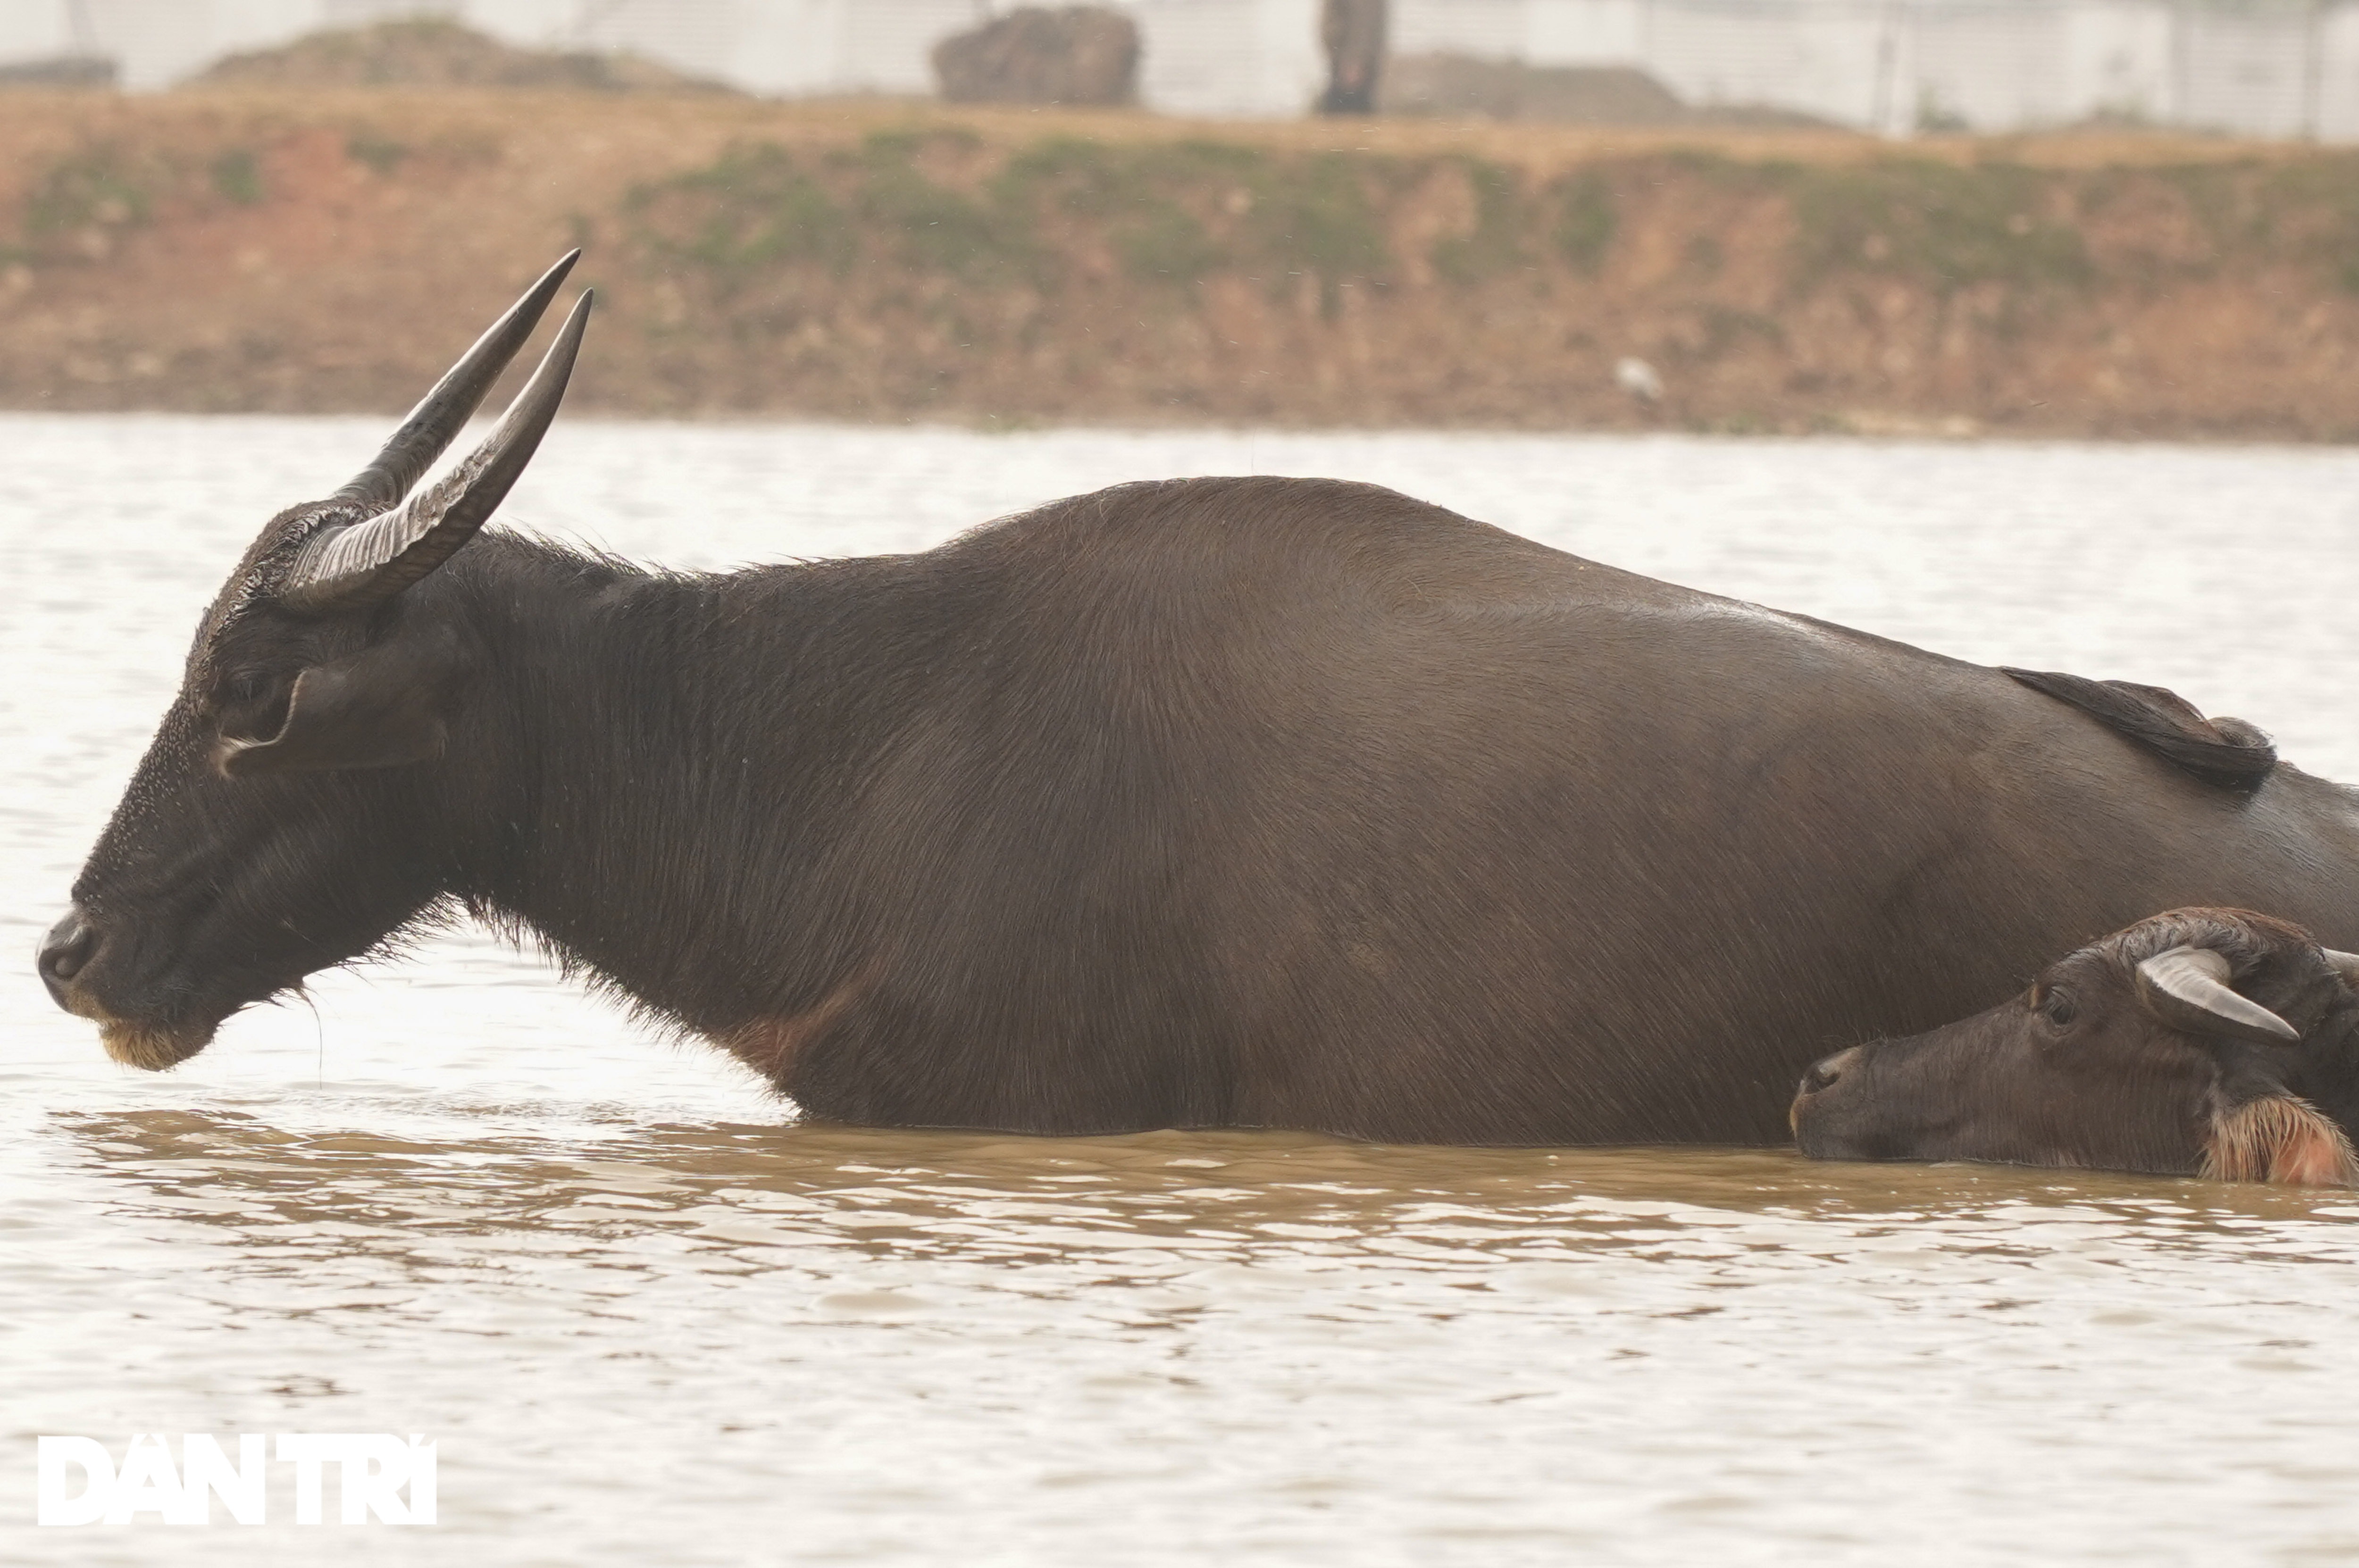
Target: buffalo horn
{"type": "Point", "coordinates": [369, 562]}
{"type": "Point", "coordinates": [2187, 987]}
{"type": "Point", "coordinates": [2343, 963]}
{"type": "Point", "coordinates": [442, 413]}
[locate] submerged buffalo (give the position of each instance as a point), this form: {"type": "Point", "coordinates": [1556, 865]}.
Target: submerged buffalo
{"type": "Point", "coordinates": [1260, 802]}
{"type": "Point", "coordinates": [2203, 1042]}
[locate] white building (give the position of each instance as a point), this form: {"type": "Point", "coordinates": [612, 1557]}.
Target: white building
{"type": "Point", "coordinates": [2261, 67]}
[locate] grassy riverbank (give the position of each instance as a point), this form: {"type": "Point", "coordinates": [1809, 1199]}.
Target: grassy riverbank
{"type": "Point", "coordinates": [881, 261]}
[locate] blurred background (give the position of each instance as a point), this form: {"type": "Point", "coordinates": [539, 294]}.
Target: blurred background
{"type": "Point", "coordinates": [1947, 217]}
{"type": "Point", "coordinates": [2267, 67]}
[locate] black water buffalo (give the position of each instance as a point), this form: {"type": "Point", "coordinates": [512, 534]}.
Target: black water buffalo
{"type": "Point", "coordinates": [2210, 1042]}
{"type": "Point", "coordinates": [1212, 802]}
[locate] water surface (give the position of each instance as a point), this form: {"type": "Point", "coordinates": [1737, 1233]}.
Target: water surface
{"type": "Point", "coordinates": [651, 1320]}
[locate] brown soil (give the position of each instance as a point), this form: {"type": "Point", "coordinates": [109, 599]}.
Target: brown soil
{"type": "Point", "coordinates": [316, 251]}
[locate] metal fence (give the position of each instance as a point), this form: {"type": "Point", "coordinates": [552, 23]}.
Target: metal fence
{"type": "Point", "coordinates": [2269, 67]}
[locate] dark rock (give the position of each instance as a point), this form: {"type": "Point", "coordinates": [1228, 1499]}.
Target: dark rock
{"type": "Point", "coordinates": [1078, 54]}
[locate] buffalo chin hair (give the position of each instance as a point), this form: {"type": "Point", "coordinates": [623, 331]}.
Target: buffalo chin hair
{"type": "Point", "coordinates": [2282, 1140]}
{"type": "Point", "coordinates": [136, 1045]}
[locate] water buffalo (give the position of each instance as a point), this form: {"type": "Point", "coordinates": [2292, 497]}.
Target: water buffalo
{"type": "Point", "coordinates": [1262, 801]}
{"type": "Point", "coordinates": [2210, 1042]}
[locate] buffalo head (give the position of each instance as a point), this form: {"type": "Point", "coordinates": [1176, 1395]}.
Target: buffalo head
{"type": "Point", "coordinates": [282, 819]}
{"type": "Point", "coordinates": [2208, 1042]}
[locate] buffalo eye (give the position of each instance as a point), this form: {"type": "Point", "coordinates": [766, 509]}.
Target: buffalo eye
{"type": "Point", "coordinates": [2055, 1004]}
{"type": "Point", "coordinates": [252, 702]}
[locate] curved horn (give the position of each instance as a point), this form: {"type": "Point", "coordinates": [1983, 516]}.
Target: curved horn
{"type": "Point", "coordinates": [2187, 987]}
{"type": "Point", "coordinates": [442, 413]}
{"type": "Point", "coordinates": [367, 563]}
{"type": "Point", "coordinates": [2345, 965]}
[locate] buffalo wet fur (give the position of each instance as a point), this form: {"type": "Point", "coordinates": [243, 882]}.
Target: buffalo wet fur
{"type": "Point", "coordinates": [1269, 802]}
{"type": "Point", "coordinates": [2098, 1065]}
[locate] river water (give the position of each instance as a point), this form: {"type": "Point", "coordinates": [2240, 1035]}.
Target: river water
{"type": "Point", "coordinates": [650, 1320]}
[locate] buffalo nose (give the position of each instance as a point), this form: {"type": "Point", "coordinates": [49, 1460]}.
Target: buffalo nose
{"type": "Point", "coordinates": [1824, 1072]}
{"type": "Point", "coordinates": [64, 951]}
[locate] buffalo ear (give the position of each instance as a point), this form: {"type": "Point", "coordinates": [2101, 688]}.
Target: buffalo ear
{"type": "Point", "coordinates": [380, 709]}
{"type": "Point", "coordinates": [2278, 1138]}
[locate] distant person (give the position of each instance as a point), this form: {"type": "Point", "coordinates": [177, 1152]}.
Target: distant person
{"type": "Point", "coordinates": [1353, 32]}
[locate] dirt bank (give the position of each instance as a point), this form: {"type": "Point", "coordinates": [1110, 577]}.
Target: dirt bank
{"type": "Point", "coordinates": [275, 251]}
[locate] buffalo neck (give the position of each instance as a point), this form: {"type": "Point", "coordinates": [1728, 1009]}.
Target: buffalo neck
{"type": "Point", "coordinates": [649, 771]}
{"type": "Point", "coordinates": [2328, 1072]}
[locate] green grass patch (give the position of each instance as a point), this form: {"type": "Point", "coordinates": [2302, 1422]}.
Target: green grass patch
{"type": "Point", "coordinates": [1585, 220]}
{"type": "Point", "coordinates": [99, 187]}
{"type": "Point", "coordinates": [237, 177]}
{"type": "Point", "coordinates": [754, 210]}
{"type": "Point", "coordinates": [932, 228]}
{"type": "Point", "coordinates": [1170, 214]}
{"type": "Point", "coordinates": [2310, 209]}
{"type": "Point", "coordinates": [1138, 195]}
{"type": "Point", "coordinates": [382, 153]}
{"type": "Point", "coordinates": [1933, 221]}
{"type": "Point", "coordinates": [1313, 216]}
{"type": "Point", "coordinates": [1495, 245]}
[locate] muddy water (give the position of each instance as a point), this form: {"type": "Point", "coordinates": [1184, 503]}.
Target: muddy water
{"type": "Point", "coordinates": [650, 1320]}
